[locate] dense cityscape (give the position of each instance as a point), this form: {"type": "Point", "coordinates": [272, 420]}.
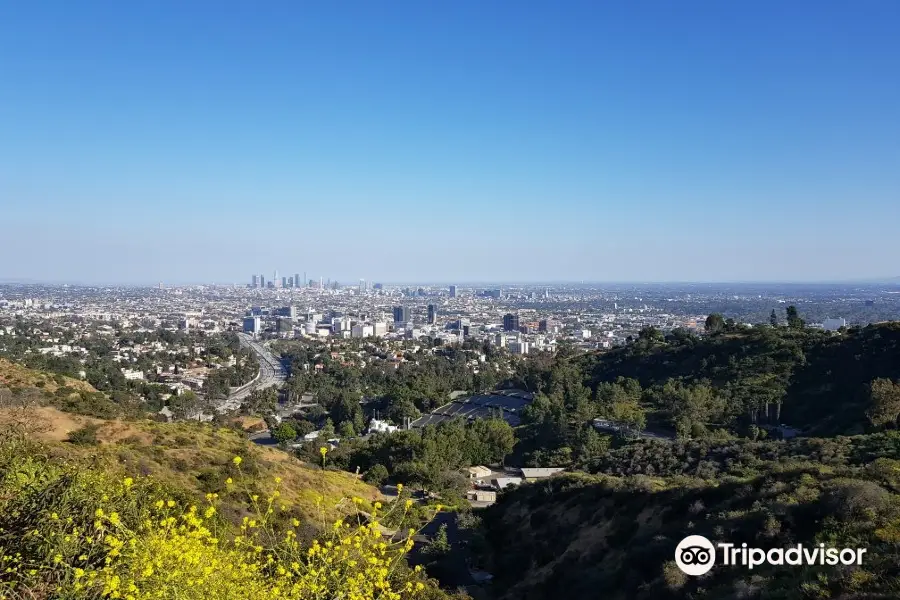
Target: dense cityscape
{"type": "Point", "coordinates": [160, 342]}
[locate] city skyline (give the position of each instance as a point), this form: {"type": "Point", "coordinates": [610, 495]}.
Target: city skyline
{"type": "Point", "coordinates": [346, 283]}
{"type": "Point", "coordinates": [721, 142]}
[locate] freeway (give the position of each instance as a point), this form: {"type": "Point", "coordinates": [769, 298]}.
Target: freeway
{"type": "Point", "coordinates": [271, 372]}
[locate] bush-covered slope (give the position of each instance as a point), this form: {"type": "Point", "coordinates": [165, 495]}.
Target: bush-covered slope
{"type": "Point", "coordinates": [192, 457]}
{"type": "Point", "coordinates": [810, 379]}
{"type": "Point", "coordinates": [80, 527]}
{"type": "Point", "coordinates": [710, 459]}
{"type": "Point", "coordinates": [584, 537]}
{"type": "Point", "coordinates": [14, 375]}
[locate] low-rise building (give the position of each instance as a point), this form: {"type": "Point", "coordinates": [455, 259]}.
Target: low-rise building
{"type": "Point", "coordinates": [479, 472]}
{"type": "Point", "coordinates": [533, 474]}
{"type": "Point", "coordinates": [484, 496]}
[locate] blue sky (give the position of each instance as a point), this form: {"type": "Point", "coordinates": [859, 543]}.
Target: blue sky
{"type": "Point", "coordinates": [403, 141]}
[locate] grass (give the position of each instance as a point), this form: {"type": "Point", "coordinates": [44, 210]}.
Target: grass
{"type": "Point", "coordinates": [13, 375]}
{"type": "Point", "coordinates": [198, 457]}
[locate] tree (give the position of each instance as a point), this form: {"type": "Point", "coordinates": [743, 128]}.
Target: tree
{"type": "Point", "coordinates": [793, 318]}
{"type": "Point", "coordinates": [376, 475]}
{"type": "Point", "coordinates": [327, 431]}
{"type": "Point", "coordinates": [284, 433]}
{"type": "Point", "coordinates": [884, 396]}
{"type": "Point", "coordinates": [439, 544]}
{"type": "Point", "coordinates": [186, 405]}
{"type": "Point", "coordinates": [630, 414]}
{"type": "Point", "coordinates": [715, 323]}
{"type": "Point", "coordinates": [651, 334]}
{"type": "Point", "coordinates": [347, 430]}
{"type": "Point", "coordinates": [485, 380]}
{"type": "Point", "coordinates": [489, 441]}
{"type": "Point", "coordinates": [591, 445]}
{"type": "Point", "coordinates": [773, 318]}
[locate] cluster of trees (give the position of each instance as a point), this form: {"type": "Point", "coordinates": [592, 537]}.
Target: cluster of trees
{"type": "Point", "coordinates": [818, 381]}
{"type": "Point", "coordinates": [740, 457]}
{"type": "Point", "coordinates": [393, 391]}
{"type": "Point", "coordinates": [736, 381]}
{"type": "Point", "coordinates": [557, 427]}
{"type": "Point", "coordinates": [432, 458]}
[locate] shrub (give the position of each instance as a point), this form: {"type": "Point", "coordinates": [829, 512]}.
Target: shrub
{"type": "Point", "coordinates": [377, 475]}
{"type": "Point", "coordinates": [77, 533]}
{"type": "Point", "coordinates": [85, 436]}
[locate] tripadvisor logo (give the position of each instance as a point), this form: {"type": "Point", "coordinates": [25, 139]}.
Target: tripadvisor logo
{"type": "Point", "coordinates": [696, 555]}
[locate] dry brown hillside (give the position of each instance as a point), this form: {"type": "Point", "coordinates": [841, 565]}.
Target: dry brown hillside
{"type": "Point", "coordinates": [196, 457]}
{"type": "Point", "coordinates": [13, 375]}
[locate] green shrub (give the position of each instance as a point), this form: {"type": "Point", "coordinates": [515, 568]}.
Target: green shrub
{"type": "Point", "coordinates": [85, 436]}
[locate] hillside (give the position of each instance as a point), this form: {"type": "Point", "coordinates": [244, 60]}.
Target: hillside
{"type": "Point", "coordinates": [16, 376]}
{"type": "Point", "coordinates": [810, 379]}
{"type": "Point", "coordinates": [574, 535]}
{"type": "Point", "coordinates": [194, 458]}
{"type": "Point", "coordinates": [186, 511]}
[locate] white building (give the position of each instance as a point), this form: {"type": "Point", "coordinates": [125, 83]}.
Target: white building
{"type": "Point", "coordinates": [504, 482]}
{"type": "Point", "coordinates": [362, 331]}
{"type": "Point", "coordinates": [376, 426]}
{"type": "Point", "coordinates": [478, 472]}
{"type": "Point", "coordinates": [519, 347]}
{"type": "Point", "coordinates": [132, 375]}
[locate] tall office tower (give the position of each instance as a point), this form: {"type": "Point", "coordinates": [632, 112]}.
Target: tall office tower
{"type": "Point", "coordinates": [255, 281]}
{"type": "Point", "coordinates": [297, 280]}
{"type": "Point", "coordinates": [262, 281]}
{"type": "Point", "coordinates": [305, 279]}
{"type": "Point", "coordinates": [321, 282]}
{"type": "Point", "coordinates": [284, 282]}
{"type": "Point", "coordinates": [251, 325]}
{"type": "Point", "coordinates": [291, 281]}
{"type": "Point", "coordinates": [432, 314]}
{"type": "Point", "coordinates": [401, 314]}
{"type": "Point", "coordinates": [510, 322]}
{"type": "Point", "coordinates": [453, 291]}
{"type": "Point", "coordinates": [362, 285]}
{"type": "Point", "coordinates": [275, 278]}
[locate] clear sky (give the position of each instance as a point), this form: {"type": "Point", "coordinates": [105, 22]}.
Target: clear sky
{"type": "Point", "coordinates": [145, 141]}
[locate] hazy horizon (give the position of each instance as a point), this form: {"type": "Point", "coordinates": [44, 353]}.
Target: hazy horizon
{"type": "Point", "coordinates": [350, 283]}
{"type": "Point", "coordinates": [706, 142]}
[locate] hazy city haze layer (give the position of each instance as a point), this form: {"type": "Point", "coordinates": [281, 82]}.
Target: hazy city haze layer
{"type": "Point", "coordinates": [207, 142]}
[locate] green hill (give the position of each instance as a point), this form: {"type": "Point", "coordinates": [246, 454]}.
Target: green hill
{"type": "Point", "coordinates": [194, 458]}
{"type": "Point", "coordinates": [146, 510]}
{"type": "Point", "coordinates": [583, 536]}
{"type": "Point", "coordinates": [16, 376]}
{"type": "Point", "coordinates": [810, 379]}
